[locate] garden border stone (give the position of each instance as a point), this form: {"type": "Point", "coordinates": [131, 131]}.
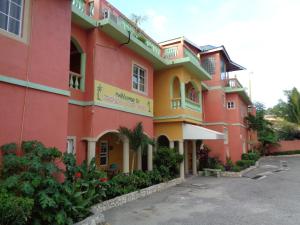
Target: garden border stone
{"type": "Point", "coordinates": [123, 199]}
{"type": "Point", "coordinates": [98, 218]}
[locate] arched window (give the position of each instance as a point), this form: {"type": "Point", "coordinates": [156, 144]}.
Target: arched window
{"type": "Point", "coordinates": [191, 92]}
{"type": "Point", "coordinates": [77, 66]}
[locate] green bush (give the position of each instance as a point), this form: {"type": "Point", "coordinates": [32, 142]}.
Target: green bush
{"type": "Point", "coordinates": [143, 179]}
{"type": "Point", "coordinates": [243, 164]}
{"type": "Point", "coordinates": [14, 210]}
{"type": "Point", "coordinates": [229, 164]}
{"type": "Point", "coordinates": [245, 156]}
{"type": "Point", "coordinates": [167, 162]}
{"type": "Point", "coordinates": [154, 176]}
{"type": "Point", "coordinates": [34, 175]}
{"type": "Point", "coordinates": [236, 168]}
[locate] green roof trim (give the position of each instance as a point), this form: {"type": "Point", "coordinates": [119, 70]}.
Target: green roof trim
{"type": "Point", "coordinates": [82, 19]}
{"type": "Point", "coordinates": [241, 91]}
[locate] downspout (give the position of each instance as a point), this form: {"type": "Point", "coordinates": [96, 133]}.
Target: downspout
{"type": "Point", "coordinates": [28, 61]}
{"type": "Point", "coordinates": [128, 41]}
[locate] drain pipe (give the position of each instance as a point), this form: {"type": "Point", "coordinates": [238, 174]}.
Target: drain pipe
{"type": "Point", "coordinates": [128, 41]}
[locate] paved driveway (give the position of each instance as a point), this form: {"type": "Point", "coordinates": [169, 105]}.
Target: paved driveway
{"type": "Point", "coordinates": [271, 200]}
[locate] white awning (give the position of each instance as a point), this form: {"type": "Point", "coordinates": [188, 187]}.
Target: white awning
{"type": "Point", "coordinates": [193, 132]}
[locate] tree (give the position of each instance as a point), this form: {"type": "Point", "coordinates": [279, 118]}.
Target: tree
{"type": "Point", "coordinates": [265, 132]}
{"type": "Point", "coordinates": [290, 110]}
{"type": "Point", "coordinates": [137, 139]}
{"type": "Point", "coordinates": [293, 106]}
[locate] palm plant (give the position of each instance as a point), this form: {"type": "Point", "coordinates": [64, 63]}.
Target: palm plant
{"type": "Point", "coordinates": [137, 139]}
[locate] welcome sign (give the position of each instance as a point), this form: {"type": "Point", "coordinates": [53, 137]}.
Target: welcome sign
{"type": "Point", "coordinates": [115, 98]}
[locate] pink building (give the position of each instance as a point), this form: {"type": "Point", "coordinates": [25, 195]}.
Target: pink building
{"type": "Point", "coordinates": [73, 72]}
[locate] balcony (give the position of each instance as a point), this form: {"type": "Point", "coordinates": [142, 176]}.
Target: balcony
{"type": "Point", "coordinates": [188, 104]}
{"type": "Point", "coordinates": [233, 83]}
{"type": "Point", "coordinates": [82, 14]}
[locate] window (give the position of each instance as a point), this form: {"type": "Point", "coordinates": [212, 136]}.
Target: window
{"type": "Point", "coordinates": [230, 105]}
{"type": "Point", "coordinates": [223, 70]}
{"type": "Point", "coordinates": [209, 64]}
{"type": "Point", "coordinates": [11, 16]}
{"type": "Point", "coordinates": [139, 79]}
{"type": "Point", "coordinates": [71, 142]}
{"type": "Point", "coordinates": [103, 153]}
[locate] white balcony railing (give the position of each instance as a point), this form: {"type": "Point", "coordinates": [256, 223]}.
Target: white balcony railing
{"type": "Point", "coordinates": [75, 80]}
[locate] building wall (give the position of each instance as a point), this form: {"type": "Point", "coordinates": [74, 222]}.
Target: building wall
{"type": "Point", "coordinates": [112, 64]}
{"type": "Point", "coordinates": [28, 114]}
{"type": "Point", "coordinates": [286, 146]}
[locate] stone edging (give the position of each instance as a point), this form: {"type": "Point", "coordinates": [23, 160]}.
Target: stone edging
{"type": "Point", "coordinates": [98, 218]}
{"type": "Point", "coordinates": [123, 199]}
{"type": "Point", "coordinates": [235, 174]}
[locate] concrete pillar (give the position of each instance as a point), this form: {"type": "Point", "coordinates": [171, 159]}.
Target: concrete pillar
{"type": "Point", "coordinates": [186, 157]}
{"type": "Point", "coordinates": [150, 157]}
{"type": "Point", "coordinates": [181, 150]}
{"type": "Point", "coordinates": [125, 156]}
{"type": "Point", "coordinates": [172, 145]}
{"type": "Point", "coordinates": [139, 159]}
{"type": "Point", "coordinates": [91, 150]}
{"type": "Point", "coordinates": [194, 162]}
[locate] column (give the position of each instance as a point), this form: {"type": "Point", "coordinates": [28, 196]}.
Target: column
{"type": "Point", "coordinates": [181, 150]}
{"type": "Point", "coordinates": [91, 150]}
{"type": "Point", "coordinates": [126, 156]}
{"type": "Point", "coordinates": [194, 158]}
{"type": "Point", "coordinates": [150, 157]}
{"type": "Point", "coordinates": [172, 144]}
{"type": "Point", "coordinates": [139, 159]}
{"type": "Point", "coordinates": [186, 157]}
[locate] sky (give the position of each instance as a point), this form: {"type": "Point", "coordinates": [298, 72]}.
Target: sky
{"type": "Point", "coordinates": [261, 35]}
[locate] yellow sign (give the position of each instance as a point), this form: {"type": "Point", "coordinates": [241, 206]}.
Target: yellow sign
{"type": "Point", "coordinates": [115, 98]}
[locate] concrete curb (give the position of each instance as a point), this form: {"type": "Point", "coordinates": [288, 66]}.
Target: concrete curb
{"type": "Point", "coordinates": [98, 218]}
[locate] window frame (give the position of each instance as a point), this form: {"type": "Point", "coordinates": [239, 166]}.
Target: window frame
{"type": "Point", "coordinates": [73, 138]}
{"type": "Point", "coordinates": [145, 92]}
{"type": "Point", "coordinates": [24, 25]}
{"type": "Point", "coordinates": [105, 154]}
{"type": "Point", "coordinates": [230, 105]}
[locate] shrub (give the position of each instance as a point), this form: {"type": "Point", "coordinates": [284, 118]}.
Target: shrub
{"type": "Point", "coordinates": [236, 168]}
{"type": "Point", "coordinates": [155, 177]}
{"type": "Point", "coordinates": [33, 175]}
{"type": "Point", "coordinates": [143, 180]}
{"type": "Point", "coordinates": [229, 164]}
{"type": "Point", "coordinates": [167, 161]}
{"type": "Point", "coordinates": [14, 210]}
{"type": "Point", "coordinates": [245, 156]}
{"type": "Point", "coordinates": [243, 164]}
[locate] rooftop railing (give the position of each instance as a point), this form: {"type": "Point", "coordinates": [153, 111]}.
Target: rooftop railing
{"type": "Point", "coordinates": [233, 83]}
{"type": "Point", "coordinates": [191, 55]}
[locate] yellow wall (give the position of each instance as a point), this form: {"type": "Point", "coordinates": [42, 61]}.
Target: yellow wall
{"type": "Point", "coordinates": [172, 130]}
{"type": "Point", "coordinates": [115, 155]}
{"type": "Point", "coordinates": [162, 93]}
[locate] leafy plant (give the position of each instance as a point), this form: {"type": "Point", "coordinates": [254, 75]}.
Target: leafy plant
{"type": "Point", "coordinates": [14, 210]}
{"type": "Point", "coordinates": [167, 162]}
{"type": "Point", "coordinates": [137, 139]}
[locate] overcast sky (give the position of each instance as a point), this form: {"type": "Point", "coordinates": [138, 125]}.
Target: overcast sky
{"type": "Point", "coordinates": [261, 35]}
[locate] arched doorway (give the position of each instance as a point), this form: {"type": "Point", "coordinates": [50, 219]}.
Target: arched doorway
{"type": "Point", "coordinates": [163, 141]}
{"type": "Point", "coordinates": [109, 153]}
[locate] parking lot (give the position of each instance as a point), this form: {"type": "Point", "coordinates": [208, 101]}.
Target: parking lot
{"type": "Point", "coordinates": [271, 198]}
